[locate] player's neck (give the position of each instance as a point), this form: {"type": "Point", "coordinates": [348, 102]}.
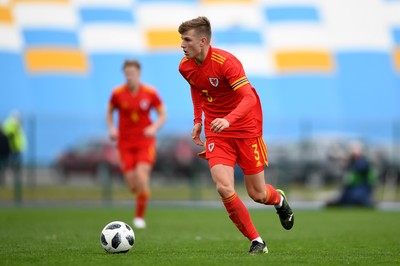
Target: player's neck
{"type": "Point", "coordinates": [133, 88]}
{"type": "Point", "coordinates": [202, 56]}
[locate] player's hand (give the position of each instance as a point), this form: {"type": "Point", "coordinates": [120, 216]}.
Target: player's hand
{"type": "Point", "coordinates": [218, 125]}
{"type": "Point", "coordinates": [150, 131]}
{"type": "Point", "coordinates": [196, 131]}
{"type": "Point", "coordinates": [113, 133]}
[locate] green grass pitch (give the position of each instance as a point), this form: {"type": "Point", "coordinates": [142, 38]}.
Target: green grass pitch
{"type": "Point", "coordinates": [198, 236]}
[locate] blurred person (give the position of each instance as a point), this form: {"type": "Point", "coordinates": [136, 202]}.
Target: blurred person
{"type": "Point", "coordinates": [383, 166]}
{"type": "Point", "coordinates": [233, 127]}
{"type": "Point", "coordinates": [12, 128]}
{"type": "Point", "coordinates": [5, 152]}
{"type": "Point", "coordinates": [136, 133]}
{"type": "Point", "coordinates": [359, 180]}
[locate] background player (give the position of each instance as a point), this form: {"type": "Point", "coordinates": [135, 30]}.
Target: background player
{"type": "Point", "coordinates": [233, 127]}
{"type": "Point", "coordinates": [136, 133]}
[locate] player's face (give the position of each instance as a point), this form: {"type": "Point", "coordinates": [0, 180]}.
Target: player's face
{"type": "Point", "coordinates": [191, 44]}
{"type": "Point", "coordinates": [132, 75]}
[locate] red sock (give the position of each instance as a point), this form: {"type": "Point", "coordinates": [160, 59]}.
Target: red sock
{"type": "Point", "coordinates": [142, 199]}
{"type": "Point", "coordinates": [273, 196]}
{"type": "Point", "coordinates": [240, 216]}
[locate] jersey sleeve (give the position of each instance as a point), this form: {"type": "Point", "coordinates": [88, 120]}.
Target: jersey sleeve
{"type": "Point", "coordinates": [197, 110]}
{"type": "Point", "coordinates": [248, 101]}
{"type": "Point", "coordinates": [113, 103]}
{"type": "Point", "coordinates": [234, 73]}
{"type": "Point", "coordinates": [157, 102]}
{"type": "Point", "coordinates": [238, 81]}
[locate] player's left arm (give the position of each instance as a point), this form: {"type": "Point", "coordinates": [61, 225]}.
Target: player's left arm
{"type": "Point", "coordinates": [234, 73]}
{"type": "Point", "coordinates": [151, 130]}
{"type": "Point", "coordinates": [161, 116]}
{"type": "Point", "coordinates": [248, 101]}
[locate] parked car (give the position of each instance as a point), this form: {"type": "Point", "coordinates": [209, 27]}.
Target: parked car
{"type": "Point", "coordinates": [87, 157]}
{"type": "Point", "coordinates": [177, 158]}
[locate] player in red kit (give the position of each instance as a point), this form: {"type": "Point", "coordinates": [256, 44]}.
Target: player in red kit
{"type": "Point", "coordinates": [233, 127]}
{"type": "Point", "coordinates": [136, 133]}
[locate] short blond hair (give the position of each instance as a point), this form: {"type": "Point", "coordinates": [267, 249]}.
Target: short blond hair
{"type": "Point", "coordinates": [201, 24]}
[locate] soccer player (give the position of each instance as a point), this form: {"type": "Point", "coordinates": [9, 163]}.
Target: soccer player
{"type": "Point", "coordinates": [136, 133]}
{"type": "Point", "coordinates": [233, 127]}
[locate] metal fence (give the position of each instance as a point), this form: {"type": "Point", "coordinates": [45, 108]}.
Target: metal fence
{"type": "Point", "coordinates": [301, 153]}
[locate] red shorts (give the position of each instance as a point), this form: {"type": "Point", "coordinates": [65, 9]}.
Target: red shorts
{"type": "Point", "coordinates": [131, 156]}
{"type": "Point", "coordinates": [250, 153]}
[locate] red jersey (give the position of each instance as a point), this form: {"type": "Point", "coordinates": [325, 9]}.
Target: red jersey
{"type": "Point", "coordinates": [217, 88]}
{"type": "Point", "coordinates": [134, 113]}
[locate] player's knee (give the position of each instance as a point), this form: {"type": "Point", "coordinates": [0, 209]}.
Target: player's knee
{"type": "Point", "coordinates": [258, 197]}
{"type": "Point", "coordinates": [224, 191]}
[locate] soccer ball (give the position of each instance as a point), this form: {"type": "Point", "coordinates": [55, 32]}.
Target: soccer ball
{"type": "Point", "coordinates": [117, 237]}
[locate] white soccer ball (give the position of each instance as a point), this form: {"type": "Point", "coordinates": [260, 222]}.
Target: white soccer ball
{"type": "Point", "coordinates": [117, 237]}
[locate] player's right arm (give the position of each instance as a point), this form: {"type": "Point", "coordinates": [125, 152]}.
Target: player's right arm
{"type": "Point", "coordinates": [112, 130]}
{"type": "Point", "coordinates": [197, 112]}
